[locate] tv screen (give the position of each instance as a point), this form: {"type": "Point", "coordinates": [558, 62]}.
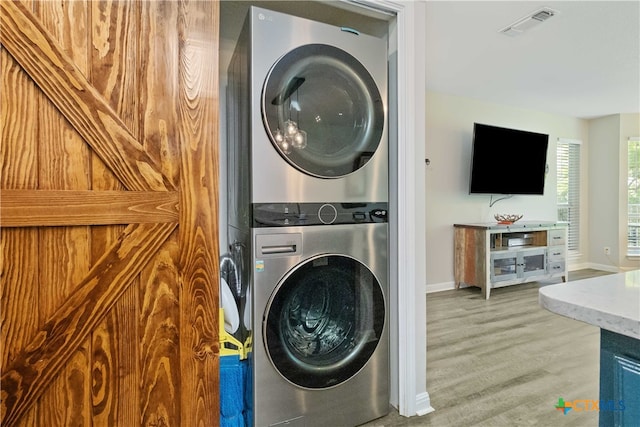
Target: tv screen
{"type": "Point", "coordinates": [507, 161]}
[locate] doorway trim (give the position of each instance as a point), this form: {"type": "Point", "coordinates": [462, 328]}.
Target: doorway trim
{"type": "Point", "coordinates": [407, 229]}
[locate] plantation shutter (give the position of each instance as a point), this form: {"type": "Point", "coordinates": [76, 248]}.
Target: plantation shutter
{"type": "Point", "coordinates": [568, 188]}
{"type": "Point", "coordinates": [633, 196]}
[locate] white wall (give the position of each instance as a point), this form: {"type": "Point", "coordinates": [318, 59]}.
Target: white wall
{"type": "Point", "coordinates": [604, 134]}
{"type": "Point", "coordinates": [449, 128]}
{"type": "Point", "coordinates": [607, 192]}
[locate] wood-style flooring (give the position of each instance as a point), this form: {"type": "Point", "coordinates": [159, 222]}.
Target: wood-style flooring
{"type": "Point", "coordinates": [505, 361]}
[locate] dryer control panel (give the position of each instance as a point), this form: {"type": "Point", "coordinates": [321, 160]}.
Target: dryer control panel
{"type": "Point", "coordinates": [300, 214]}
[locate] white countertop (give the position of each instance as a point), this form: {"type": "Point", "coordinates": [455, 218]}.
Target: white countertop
{"type": "Point", "coordinates": [610, 302]}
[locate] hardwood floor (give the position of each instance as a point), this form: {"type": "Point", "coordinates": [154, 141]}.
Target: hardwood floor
{"type": "Point", "coordinates": [505, 361]}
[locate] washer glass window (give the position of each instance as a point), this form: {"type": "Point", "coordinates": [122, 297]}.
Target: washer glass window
{"type": "Point", "coordinates": [322, 111]}
{"type": "Point", "coordinates": [324, 322]}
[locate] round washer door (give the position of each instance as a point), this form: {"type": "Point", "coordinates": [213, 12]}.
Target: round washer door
{"type": "Point", "coordinates": [324, 321]}
{"type": "Point", "coordinates": [322, 111]}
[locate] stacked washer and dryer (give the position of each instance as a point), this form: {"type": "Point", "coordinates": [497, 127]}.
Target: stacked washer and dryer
{"type": "Point", "coordinates": [308, 198]}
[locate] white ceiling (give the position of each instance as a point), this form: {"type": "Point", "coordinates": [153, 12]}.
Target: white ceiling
{"type": "Point", "coordinates": [583, 62]}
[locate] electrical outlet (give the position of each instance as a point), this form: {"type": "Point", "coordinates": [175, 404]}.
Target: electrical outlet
{"type": "Point", "coordinates": [607, 250]}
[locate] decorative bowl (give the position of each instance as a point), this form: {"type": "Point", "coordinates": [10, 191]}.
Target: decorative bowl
{"type": "Point", "coordinates": [507, 218]}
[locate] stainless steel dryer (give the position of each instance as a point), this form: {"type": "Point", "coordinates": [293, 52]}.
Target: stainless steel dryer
{"type": "Point", "coordinates": [321, 340]}
{"type": "Point", "coordinates": [307, 112]}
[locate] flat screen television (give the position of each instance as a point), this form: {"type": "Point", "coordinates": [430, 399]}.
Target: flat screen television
{"type": "Point", "coordinates": [507, 161]}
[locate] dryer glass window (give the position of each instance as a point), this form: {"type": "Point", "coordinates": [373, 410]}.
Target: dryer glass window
{"type": "Point", "coordinates": [322, 111]}
{"type": "Point", "coordinates": [324, 321]}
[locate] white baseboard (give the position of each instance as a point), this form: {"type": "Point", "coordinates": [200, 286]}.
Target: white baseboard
{"type": "Point", "coordinates": [593, 265]}
{"type": "Point", "coordinates": [439, 287]}
{"type": "Point", "coordinates": [604, 267]}
{"type": "Point", "coordinates": [423, 404]}
{"type": "Point", "coordinates": [449, 286]}
{"type": "Point", "coordinates": [577, 266]}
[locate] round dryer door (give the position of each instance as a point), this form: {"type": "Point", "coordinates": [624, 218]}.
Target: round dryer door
{"type": "Point", "coordinates": [324, 321]}
{"type": "Point", "coordinates": [322, 111]}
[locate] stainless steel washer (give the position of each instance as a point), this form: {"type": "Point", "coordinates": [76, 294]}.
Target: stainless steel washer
{"type": "Point", "coordinates": [321, 339]}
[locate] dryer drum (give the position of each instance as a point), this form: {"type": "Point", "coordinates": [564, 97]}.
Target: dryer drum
{"type": "Point", "coordinates": [324, 321]}
{"type": "Point", "coordinates": [330, 96]}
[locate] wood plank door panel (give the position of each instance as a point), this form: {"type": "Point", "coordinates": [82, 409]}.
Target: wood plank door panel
{"type": "Point", "coordinates": [109, 117]}
{"type": "Point", "coordinates": [63, 164]}
{"type": "Point", "coordinates": [198, 101]}
{"type": "Point", "coordinates": [114, 65]}
{"type": "Point", "coordinates": [19, 301]}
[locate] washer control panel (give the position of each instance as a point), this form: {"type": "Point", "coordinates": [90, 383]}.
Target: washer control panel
{"type": "Point", "coordinates": [300, 214]}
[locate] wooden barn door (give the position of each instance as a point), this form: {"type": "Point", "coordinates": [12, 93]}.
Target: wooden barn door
{"type": "Point", "coordinates": [108, 204]}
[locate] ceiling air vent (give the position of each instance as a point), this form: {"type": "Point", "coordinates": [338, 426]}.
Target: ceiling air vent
{"type": "Point", "coordinates": [528, 22]}
{"type": "Point", "coordinates": [543, 14]}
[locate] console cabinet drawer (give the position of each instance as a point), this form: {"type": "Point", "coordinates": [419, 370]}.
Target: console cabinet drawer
{"type": "Point", "coordinates": [555, 267]}
{"type": "Point", "coordinates": [556, 254]}
{"type": "Point", "coordinates": [557, 237]}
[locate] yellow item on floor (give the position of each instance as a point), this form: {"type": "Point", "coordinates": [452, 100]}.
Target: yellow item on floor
{"type": "Point", "coordinates": [229, 346]}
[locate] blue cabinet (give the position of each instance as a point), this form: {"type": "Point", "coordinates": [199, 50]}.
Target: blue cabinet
{"type": "Point", "coordinates": [619, 380]}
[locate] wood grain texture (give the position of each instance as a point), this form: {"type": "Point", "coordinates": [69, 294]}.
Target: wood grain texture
{"type": "Point", "coordinates": [19, 170]}
{"type": "Point", "coordinates": [114, 35]}
{"type": "Point", "coordinates": [24, 379]}
{"type": "Point", "coordinates": [160, 286]}
{"type": "Point", "coordinates": [36, 208]}
{"type": "Point", "coordinates": [198, 119]}
{"type": "Point", "coordinates": [63, 165]}
{"type": "Point", "coordinates": [68, 89]}
{"type": "Point", "coordinates": [158, 80]}
{"type": "Point", "coordinates": [18, 123]}
{"type": "Point", "coordinates": [19, 157]}
{"type": "Point", "coordinates": [115, 358]}
{"type": "Point", "coordinates": [142, 352]}
{"type": "Point", "coordinates": [160, 336]}
{"type": "Point", "coordinates": [114, 364]}
{"type": "Point", "coordinates": [539, 238]}
{"type": "Point", "coordinates": [469, 246]}
{"type": "Point", "coordinates": [18, 288]}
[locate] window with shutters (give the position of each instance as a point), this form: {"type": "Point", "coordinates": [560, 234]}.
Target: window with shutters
{"type": "Point", "coordinates": [568, 189]}
{"type": "Point", "coordinates": [633, 196]}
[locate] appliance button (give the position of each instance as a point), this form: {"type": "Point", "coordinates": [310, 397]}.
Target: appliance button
{"type": "Point", "coordinates": [327, 213]}
{"type": "Point", "coordinates": [380, 214]}
{"type": "Point", "coordinates": [359, 216]}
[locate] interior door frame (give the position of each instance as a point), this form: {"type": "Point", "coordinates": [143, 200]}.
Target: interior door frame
{"type": "Point", "coordinates": [407, 183]}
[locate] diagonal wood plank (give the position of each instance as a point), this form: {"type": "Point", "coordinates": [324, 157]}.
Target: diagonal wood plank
{"type": "Point", "coordinates": [83, 106]}
{"type": "Point", "coordinates": [24, 380]}
{"type": "Point", "coordinates": [46, 208]}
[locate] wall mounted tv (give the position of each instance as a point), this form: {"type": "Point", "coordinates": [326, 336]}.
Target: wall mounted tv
{"type": "Point", "coordinates": [507, 161]}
